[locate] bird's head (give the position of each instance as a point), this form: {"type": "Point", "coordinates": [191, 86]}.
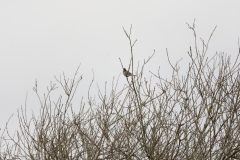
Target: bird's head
{"type": "Point", "coordinates": [124, 69]}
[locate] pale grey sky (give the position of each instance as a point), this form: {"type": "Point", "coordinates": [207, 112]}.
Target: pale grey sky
{"type": "Point", "coordinates": [40, 39]}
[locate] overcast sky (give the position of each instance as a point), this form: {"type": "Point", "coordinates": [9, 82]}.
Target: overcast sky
{"type": "Point", "coordinates": [40, 39]}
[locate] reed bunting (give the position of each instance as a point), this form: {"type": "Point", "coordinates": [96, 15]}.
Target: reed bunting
{"type": "Point", "coordinates": [127, 73]}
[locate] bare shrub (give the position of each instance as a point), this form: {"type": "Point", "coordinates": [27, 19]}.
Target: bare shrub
{"type": "Point", "coordinates": [192, 116]}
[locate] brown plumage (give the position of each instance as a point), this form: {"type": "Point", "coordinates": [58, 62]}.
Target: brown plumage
{"type": "Point", "coordinates": [127, 73]}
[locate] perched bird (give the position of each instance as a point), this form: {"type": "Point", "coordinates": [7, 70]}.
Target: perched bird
{"type": "Point", "coordinates": [127, 73]}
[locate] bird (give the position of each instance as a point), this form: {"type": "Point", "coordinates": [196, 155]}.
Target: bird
{"type": "Point", "coordinates": [127, 73]}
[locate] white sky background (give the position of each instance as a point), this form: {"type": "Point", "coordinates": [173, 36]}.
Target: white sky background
{"type": "Point", "coordinates": [40, 39]}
